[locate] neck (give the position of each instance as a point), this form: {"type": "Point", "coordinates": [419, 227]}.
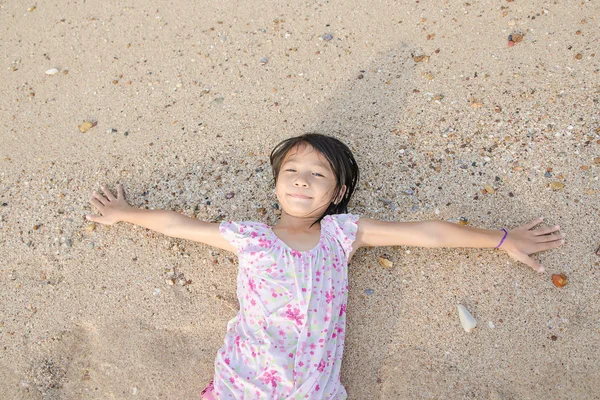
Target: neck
{"type": "Point", "coordinates": [297, 224]}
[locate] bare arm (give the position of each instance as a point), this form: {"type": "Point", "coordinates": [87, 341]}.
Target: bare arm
{"type": "Point", "coordinates": [115, 209]}
{"type": "Point", "coordinates": [519, 243]}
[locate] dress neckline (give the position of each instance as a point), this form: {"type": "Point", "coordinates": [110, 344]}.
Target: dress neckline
{"type": "Point", "coordinates": [286, 246]}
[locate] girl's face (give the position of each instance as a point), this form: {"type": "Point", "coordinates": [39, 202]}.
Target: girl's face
{"type": "Point", "coordinates": [306, 182]}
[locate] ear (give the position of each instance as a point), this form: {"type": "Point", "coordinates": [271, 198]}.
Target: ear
{"type": "Point", "coordinates": [341, 196]}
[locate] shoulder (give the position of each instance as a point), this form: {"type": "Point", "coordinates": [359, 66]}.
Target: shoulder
{"type": "Point", "coordinates": [342, 227]}
{"type": "Point", "coordinates": [240, 233]}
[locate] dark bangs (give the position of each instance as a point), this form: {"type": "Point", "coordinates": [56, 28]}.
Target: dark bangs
{"type": "Point", "coordinates": [340, 159]}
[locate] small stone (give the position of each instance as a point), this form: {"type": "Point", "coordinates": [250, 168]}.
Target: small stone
{"type": "Point", "coordinates": [156, 292]}
{"type": "Point", "coordinates": [553, 338]}
{"type": "Point", "coordinates": [264, 61]}
{"type": "Point", "coordinates": [489, 189]}
{"type": "Point", "coordinates": [52, 71]}
{"type": "Point", "coordinates": [517, 37]}
{"type": "Point", "coordinates": [360, 76]}
{"type": "Point", "coordinates": [578, 56]}
{"type": "Point", "coordinates": [327, 36]}
{"type": "Point", "coordinates": [463, 221]}
{"type": "Point", "coordinates": [87, 125]}
{"type": "Point", "coordinates": [420, 58]}
{"type": "Point", "coordinates": [491, 325]}
{"type": "Point", "coordinates": [559, 280]}
{"type": "Point", "coordinates": [597, 160]}
{"type": "Point", "coordinates": [68, 243]}
{"type": "Point", "coordinates": [548, 174]}
{"type": "Point", "coordinates": [32, 8]}
{"type": "Point", "coordinates": [384, 262]}
{"type": "Point", "coordinates": [557, 185]}
{"type": "Point", "coordinates": [369, 291]}
{"type": "Point", "coordinates": [511, 43]}
{"type": "Point", "coordinates": [229, 195]}
{"type": "Point", "coordinates": [90, 227]}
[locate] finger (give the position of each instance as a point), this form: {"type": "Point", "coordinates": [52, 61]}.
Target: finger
{"type": "Point", "coordinates": [545, 231]}
{"type": "Point", "coordinates": [108, 194]}
{"type": "Point", "coordinates": [93, 217]}
{"type": "Point", "coordinates": [120, 192]}
{"type": "Point", "coordinates": [525, 259]}
{"type": "Point", "coordinates": [97, 204]}
{"type": "Point", "coordinates": [550, 245]}
{"type": "Point", "coordinates": [97, 196]}
{"type": "Point", "coordinates": [549, 238]}
{"type": "Point", "coordinates": [533, 223]}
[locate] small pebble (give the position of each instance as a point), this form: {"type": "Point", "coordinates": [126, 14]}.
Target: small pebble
{"type": "Point", "coordinates": [491, 325]}
{"type": "Point", "coordinates": [52, 71]}
{"type": "Point", "coordinates": [229, 195]}
{"type": "Point", "coordinates": [548, 174]}
{"type": "Point", "coordinates": [327, 36]}
{"type": "Point", "coordinates": [369, 291]}
{"type": "Point", "coordinates": [264, 60]}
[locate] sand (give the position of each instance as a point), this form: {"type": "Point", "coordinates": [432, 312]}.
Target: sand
{"type": "Point", "coordinates": [189, 99]}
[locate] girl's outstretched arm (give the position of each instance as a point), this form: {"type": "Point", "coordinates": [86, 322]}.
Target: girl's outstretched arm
{"type": "Point", "coordinates": [519, 243]}
{"type": "Point", "coordinates": [116, 209]}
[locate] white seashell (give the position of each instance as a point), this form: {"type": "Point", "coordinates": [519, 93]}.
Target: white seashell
{"type": "Point", "coordinates": [466, 319]}
{"type": "Point", "coordinates": [52, 71]}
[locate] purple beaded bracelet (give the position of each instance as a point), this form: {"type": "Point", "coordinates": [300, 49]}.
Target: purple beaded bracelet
{"type": "Point", "coordinates": [504, 237]}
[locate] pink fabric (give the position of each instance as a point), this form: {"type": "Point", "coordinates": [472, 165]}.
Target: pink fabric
{"type": "Point", "coordinates": [209, 392]}
{"type": "Point", "coordinates": [287, 340]}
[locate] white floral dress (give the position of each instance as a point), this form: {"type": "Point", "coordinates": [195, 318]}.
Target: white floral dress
{"type": "Point", "coordinates": [287, 340]}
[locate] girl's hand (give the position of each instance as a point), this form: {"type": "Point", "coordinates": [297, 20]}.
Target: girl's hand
{"type": "Point", "coordinates": [522, 241]}
{"type": "Point", "coordinates": [111, 207]}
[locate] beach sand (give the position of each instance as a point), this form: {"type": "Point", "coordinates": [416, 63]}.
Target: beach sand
{"type": "Point", "coordinates": [189, 99]}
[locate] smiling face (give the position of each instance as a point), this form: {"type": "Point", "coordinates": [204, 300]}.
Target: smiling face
{"type": "Point", "coordinates": [305, 183]}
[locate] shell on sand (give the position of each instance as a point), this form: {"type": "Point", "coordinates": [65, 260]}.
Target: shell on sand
{"type": "Point", "coordinates": [467, 321]}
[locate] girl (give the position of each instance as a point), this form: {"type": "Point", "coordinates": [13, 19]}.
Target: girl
{"type": "Point", "coordinates": [287, 340]}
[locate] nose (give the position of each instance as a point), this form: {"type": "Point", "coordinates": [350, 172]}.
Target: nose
{"type": "Point", "coordinates": [301, 181]}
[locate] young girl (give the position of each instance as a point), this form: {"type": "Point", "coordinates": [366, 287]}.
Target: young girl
{"type": "Point", "coordinates": [287, 340]}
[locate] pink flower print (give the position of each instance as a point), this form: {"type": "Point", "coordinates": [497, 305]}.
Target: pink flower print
{"type": "Point", "coordinates": [227, 361]}
{"type": "Point", "coordinates": [301, 364]}
{"type": "Point", "coordinates": [274, 294]}
{"type": "Point", "coordinates": [318, 387]}
{"type": "Point", "coordinates": [318, 273]}
{"type": "Point", "coordinates": [313, 346]}
{"type": "Point", "coordinates": [291, 355]}
{"type": "Point", "coordinates": [342, 309]}
{"type": "Point", "coordinates": [253, 235]}
{"type": "Point", "coordinates": [253, 302]}
{"type": "Point", "coordinates": [281, 332]}
{"type": "Point", "coordinates": [294, 315]}
{"type": "Point", "coordinates": [329, 295]}
{"type": "Point", "coordinates": [252, 285]}
{"type": "Point", "coordinates": [262, 242]}
{"type": "Point", "coordinates": [321, 366]}
{"type": "Point", "coordinates": [270, 377]}
{"type": "Point", "coordinates": [304, 289]}
{"type": "Point", "coordinates": [296, 253]}
{"type": "Point", "coordinates": [237, 341]}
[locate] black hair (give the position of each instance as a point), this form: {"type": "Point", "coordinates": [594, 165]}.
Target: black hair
{"type": "Point", "coordinates": [340, 159]}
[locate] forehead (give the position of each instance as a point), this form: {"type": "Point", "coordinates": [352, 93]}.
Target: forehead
{"type": "Point", "coordinates": [305, 153]}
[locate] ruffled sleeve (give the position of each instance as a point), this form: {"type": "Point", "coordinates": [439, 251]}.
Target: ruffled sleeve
{"type": "Point", "coordinates": [343, 228]}
{"type": "Point", "coordinates": [239, 234]}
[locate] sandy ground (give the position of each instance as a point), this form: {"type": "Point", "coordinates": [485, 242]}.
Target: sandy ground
{"type": "Point", "coordinates": [189, 99]}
